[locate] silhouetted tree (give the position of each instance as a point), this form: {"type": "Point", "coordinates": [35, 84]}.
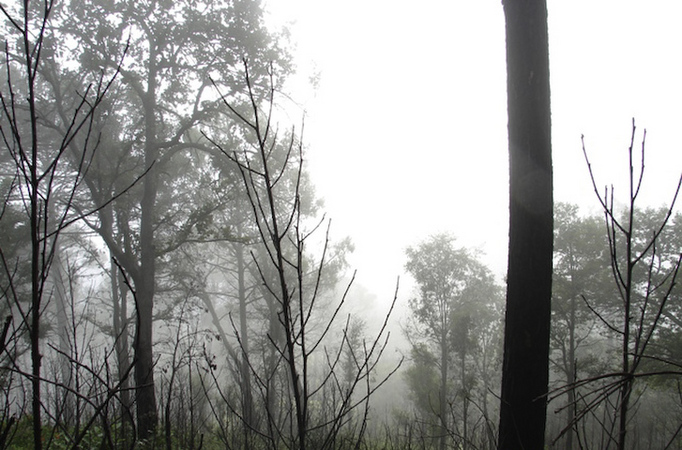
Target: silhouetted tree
{"type": "Point", "coordinates": [292, 281]}
{"type": "Point", "coordinates": [525, 372]}
{"type": "Point", "coordinates": [644, 279]}
{"type": "Point", "coordinates": [588, 324]}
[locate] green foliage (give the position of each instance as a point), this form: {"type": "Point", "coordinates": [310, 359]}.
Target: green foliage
{"type": "Point", "coordinates": [582, 279]}
{"type": "Point", "coordinates": [590, 295]}
{"type": "Point", "coordinates": [54, 438]}
{"type": "Point", "coordinates": [422, 378]}
{"type": "Point", "coordinates": [454, 334]}
{"type": "Point", "coordinates": [454, 289]}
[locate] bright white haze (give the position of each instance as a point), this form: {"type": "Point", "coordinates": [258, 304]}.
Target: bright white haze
{"type": "Point", "coordinates": [406, 131]}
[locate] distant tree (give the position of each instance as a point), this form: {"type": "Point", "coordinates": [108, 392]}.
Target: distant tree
{"type": "Point", "coordinates": [525, 374]}
{"type": "Point", "coordinates": [581, 271]}
{"type": "Point", "coordinates": [667, 342]}
{"type": "Point", "coordinates": [455, 305]}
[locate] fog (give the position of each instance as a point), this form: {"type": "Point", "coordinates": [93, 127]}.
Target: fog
{"type": "Point", "coordinates": [423, 89]}
{"type": "Point", "coordinates": [233, 224]}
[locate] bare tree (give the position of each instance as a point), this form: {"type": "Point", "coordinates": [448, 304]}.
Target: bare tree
{"type": "Point", "coordinates": [300, 324]}
{"type": "Point", "coordinates": [581, 269]}
{"type": "Point", "coordinates": [45, 181]}
{"type": "Point", "coordinates": [644, 281]}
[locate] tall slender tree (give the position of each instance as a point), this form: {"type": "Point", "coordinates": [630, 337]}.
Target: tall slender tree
{"type": "Point", "coordinates": [645, 279]}
{"type": "Point", "coordinates": [529, 277]}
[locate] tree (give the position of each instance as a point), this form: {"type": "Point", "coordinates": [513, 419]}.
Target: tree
{"type": "Point", "coordinates": [242, 309]}
{"type": "Point", "coordinates": [179, 49]}
{"type": "Point", "coordinates": [587, 327]}
{"type": "Point", "coordinates": [630, 299]}
{"type": "Point", "coordinates": [525, 373]}
{"type": "Point", "coordinates": [273, 177]}
{"type": "Point", "coordinates": [455, 304]}
{"type": "Point", "coordinates": [644, 278]}
{"type": "Point", "coordinates": [43, 183]}
{"type": "Point", "coordinates": [667, 344]}
{"type": "Point", "coordinates": [581, 271]}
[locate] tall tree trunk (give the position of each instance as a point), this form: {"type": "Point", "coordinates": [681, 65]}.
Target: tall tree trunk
{"type": "Point", "coordinates": [627, 289]}
{"type": "Point", "coordinates": [244, 368]}
{"type": "Point", "coordinates": [38, 246]}
{"type": "Point", "coordinates": [144, 358]}
{"type": "Point", "coordinates": [120, 323]}
{"type": "Point", "coordinates": [36, 296]}
{"type": "Point", "coordinates": [571, 378]}
{"type": "Point", "coordinates": [443, 397]}
{"type": "Point", "coordinates": [63, 328]}
{"type": "Point", "coordinates": [529, 279]}
{"type": "Point", "coordinates": [147, 415]}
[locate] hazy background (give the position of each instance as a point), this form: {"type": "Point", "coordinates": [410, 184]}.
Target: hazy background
{"type": "Point", "coordinates": [406, 129]}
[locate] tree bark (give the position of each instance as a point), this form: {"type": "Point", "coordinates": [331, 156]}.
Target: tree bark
{"type": "Point", "coordinates": [37, 269]}
{"type": "Point", "coordinates": [527, 322]}
{"type": "Point", "coordinates": [244, 368]}
{"type": "Point", "coordinates": [63, 330]}
{"type": "Point", "coordinates": [120, 324]}
{"type": "Point", "coordinates": [144, 358]}
{"type": "Point", "coordinates": [147, 415]}
{"type": "Point", "coordinates": [571, 377]}
{"type": "Point", "coordinates": [443, 397]}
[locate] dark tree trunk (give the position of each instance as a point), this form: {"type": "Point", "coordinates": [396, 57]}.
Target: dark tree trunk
{"type": "Point", "coordinates": [147, 415]}
{"type": "Point", "coordinates": [443, 394]}
{"type": "Point", "coordinates": [37, 269]}
{"type": "Point", "coordinates": [120, 323]}
{"type": "Point", "coordinates": [571, 376]}
{"type": "Point", "coordinates": [529, 278]}
{"type": "Point", "coordinates": [244, 368]}
{"type": "Point", "coordinates": [144, 358]}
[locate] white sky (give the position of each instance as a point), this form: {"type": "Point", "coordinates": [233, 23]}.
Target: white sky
{"type": "Point", "coordinates": [406, 133]}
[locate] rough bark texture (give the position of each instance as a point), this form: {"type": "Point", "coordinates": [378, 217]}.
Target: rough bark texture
{"type": "Point", "coordinates": [526, 347]}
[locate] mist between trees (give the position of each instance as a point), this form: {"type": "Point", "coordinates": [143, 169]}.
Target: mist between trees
{"type": "Point", "coordinates": [168, 278]}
